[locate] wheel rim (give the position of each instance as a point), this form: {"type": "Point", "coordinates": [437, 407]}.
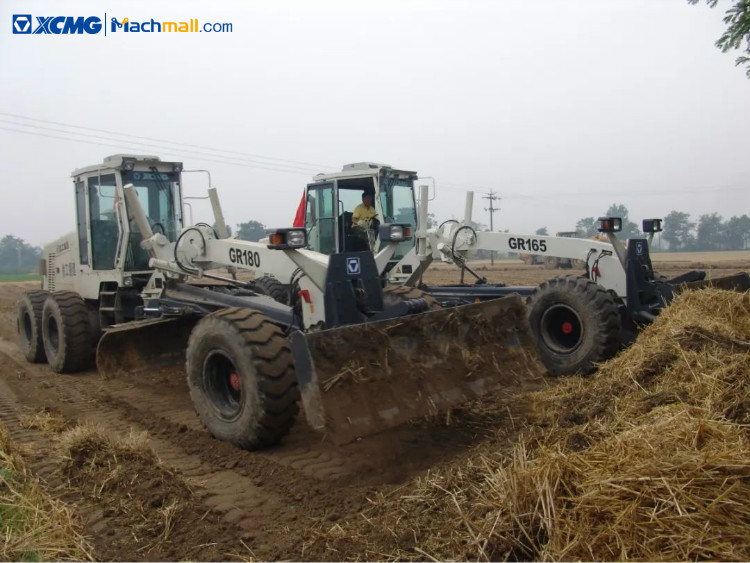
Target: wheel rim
{"type": "Point", "coordinates": [53, 335]}
{"type": "Point", "coordinates": [561, 329]}
{"type": "Point", "coordinates": [26, 327]}
{"type": "Point", "coordinates": [222, 384]}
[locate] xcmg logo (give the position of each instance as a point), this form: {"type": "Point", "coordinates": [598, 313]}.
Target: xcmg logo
{"type": "Point", "coordinates": [56, 25]}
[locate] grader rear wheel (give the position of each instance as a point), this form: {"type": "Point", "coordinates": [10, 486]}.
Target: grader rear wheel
{"type": "Point", "coordinates": [241, 378]}
{"type": "Point", "coordinates": [272, 287]}
{"type": "Point", "coordinates": [396, 294]}
{"type": "Point", "coordinates": [29, 324]}
{"type": "Point", "coordinates": [576, 323]}
{"type": "Point", "coordinates": [69, 343]}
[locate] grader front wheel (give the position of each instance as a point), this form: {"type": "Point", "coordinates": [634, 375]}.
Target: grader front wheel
{"type": "Point", "coordinates": [576, 323]}
{"type": "Point", "coordinates": [241, 378]}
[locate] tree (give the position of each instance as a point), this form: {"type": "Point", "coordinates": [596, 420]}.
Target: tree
{"type": "Point", "coordinates": [737, 19]}
{"type": "Point", "coordinates": [678, 231]}
{"type": "Point", "coordinates": [252, 231]}
{"type": "Point", "coordinates": [542, 232]}
{"type": "Point", "coordinates": [17, 256]}
{"type": "Point", "coordinates": [629, 229]}
{"type": "Point", "coordinates": [588, 227]}
{"type": "Point", "coordinates": [431, 221]}
{"type": "Point", "coordinates": [737, 233]}
{"type": "Point", "coordinates": [710, 232]}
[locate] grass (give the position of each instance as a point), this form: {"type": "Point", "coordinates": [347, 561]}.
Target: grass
{"type": "Point", "coordinates": [33, 525]}
{"type": "Point", "coordinates": [19, 277]}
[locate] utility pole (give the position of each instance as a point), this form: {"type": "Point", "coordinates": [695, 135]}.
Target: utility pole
{"type": "Point", "coordinates": [492, 196]}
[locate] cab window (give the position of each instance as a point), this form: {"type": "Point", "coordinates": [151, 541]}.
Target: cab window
{"type": "Point", "coordinates": [105, 232]}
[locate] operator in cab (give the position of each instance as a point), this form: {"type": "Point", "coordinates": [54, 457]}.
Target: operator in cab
{"type": "Point", "coordinates": [364, 212]}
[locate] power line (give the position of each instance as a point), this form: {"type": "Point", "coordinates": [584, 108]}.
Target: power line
{"type": "Point", "coordinates": [141, 147]}
{"type": "Point", "coordinates": [203, 147]}
{"type": "Point", "coordinates": [152, 146]}
{"type": "Point", "coordinates": [289, 166]}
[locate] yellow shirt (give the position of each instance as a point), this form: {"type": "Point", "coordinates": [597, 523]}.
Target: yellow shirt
{"type": "Point", "coordinates": [362, 214]}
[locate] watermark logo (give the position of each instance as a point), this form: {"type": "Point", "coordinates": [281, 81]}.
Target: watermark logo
{"type": "Point", "coordinates": [56, 25]}
{"type": "Point", "coordinates": [25, 24]}
{"type": "Point", "coordinates": [192, 25]}
{"type": "Point", "coordinates": [22, 23]}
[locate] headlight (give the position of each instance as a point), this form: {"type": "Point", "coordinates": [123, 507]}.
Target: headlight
{"type": "Point", "coordinates": [610, 224]}
{"type": "Point", "coordinates": [287, 238]}
{"type": "Point", "coordinates": [395, 232]}
{"type": "Point", "coordinates": [296, 239]}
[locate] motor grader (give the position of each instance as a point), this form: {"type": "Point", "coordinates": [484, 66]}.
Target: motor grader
{"type": "Point", "coordinates": [120, 290]}
{"type": "Point", "coordinates": [578, 321]}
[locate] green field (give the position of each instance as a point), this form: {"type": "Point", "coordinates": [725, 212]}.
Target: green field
{"type": "Point", "coordinates": [19, 277]}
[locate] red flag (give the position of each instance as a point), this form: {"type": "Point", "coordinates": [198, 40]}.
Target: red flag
{"type": "Point", "coordinates": [299, 218]}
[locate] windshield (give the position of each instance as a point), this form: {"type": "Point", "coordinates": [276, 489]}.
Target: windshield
{"type": "Point", "coordinates": [159, 196]}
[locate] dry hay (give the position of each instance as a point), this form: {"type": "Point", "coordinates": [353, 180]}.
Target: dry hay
{"type": "Point", "coordinates": [45, 420]}
{"type": "Point", "coordinates": [123, 477]}
{"type": "Point", "coordinates": [646, 460]}
{"type": "Point", "coordinates": [33, 525]}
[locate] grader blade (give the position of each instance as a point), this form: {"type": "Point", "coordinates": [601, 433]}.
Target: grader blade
{"type": "Point", "coordinates": [735, 282]}
{"type": "Point", "coordinates": [153, 348]}
{"type": "Point", "coordinates": [359, 380]}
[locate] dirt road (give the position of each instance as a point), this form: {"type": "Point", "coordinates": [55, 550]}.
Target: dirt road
{"type": "Point", "coordinates": [262, 505]}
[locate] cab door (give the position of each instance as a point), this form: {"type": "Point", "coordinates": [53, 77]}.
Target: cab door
{"type": "Point", "coordinates": [104, 227]}
{"type": "Point", "coordinates": [320, 217]}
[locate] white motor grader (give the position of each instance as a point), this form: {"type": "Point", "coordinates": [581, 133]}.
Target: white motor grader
{"type": "Point", "coordinates": [577, 320]}
{"type": "Point", "coordinates": [360, 358]}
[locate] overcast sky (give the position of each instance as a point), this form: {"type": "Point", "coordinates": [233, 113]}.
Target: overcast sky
{"type": "Point", "coordinates": [561, 107]}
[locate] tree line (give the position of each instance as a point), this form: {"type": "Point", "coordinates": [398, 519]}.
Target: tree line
{"type": "Point", "coordinates": [17, 256]}
{"type": "Point", "coordinates": [709, 232]}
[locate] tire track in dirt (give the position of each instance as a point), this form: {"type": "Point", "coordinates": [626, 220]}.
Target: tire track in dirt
{"type": "Point", "coordinates": [233, 495]}
{"type": "Point", "coordinates": [303, 477]}
{"type": "Point", "coordinates": [273, 495]}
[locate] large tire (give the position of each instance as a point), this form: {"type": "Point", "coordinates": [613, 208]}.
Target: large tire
{"type": "Point", "coordinates": [272, 287]}
{"type": "Point", "coordinates": [241, 378]}
{"type": "Point", "coordinates": [551, 262]}
{"type": "Point", "coordinates": [29, 323]}
{"type": "Point", "coordinates": [396, 294]}
{"type": "Point", "coordinates": [66, 332]}
{"type": "Point", "coordinates": [576, 323]}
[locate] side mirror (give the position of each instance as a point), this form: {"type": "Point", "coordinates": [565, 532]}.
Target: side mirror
{"type": "Point", "coordinates": [610, 224]}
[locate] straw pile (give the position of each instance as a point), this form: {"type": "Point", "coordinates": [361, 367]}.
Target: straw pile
{"type": "Point", "coordinates": [649, 459]}
{"type": "Point", "coordinates": [123, 476]}
{"type": "Point", "coordinates": [33, 525]}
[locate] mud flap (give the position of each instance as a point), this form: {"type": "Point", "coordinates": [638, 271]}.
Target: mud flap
{"type": "Point", "coordinates": [361, 379]}
{"type": "Point", "coordinates": [148, 347]}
